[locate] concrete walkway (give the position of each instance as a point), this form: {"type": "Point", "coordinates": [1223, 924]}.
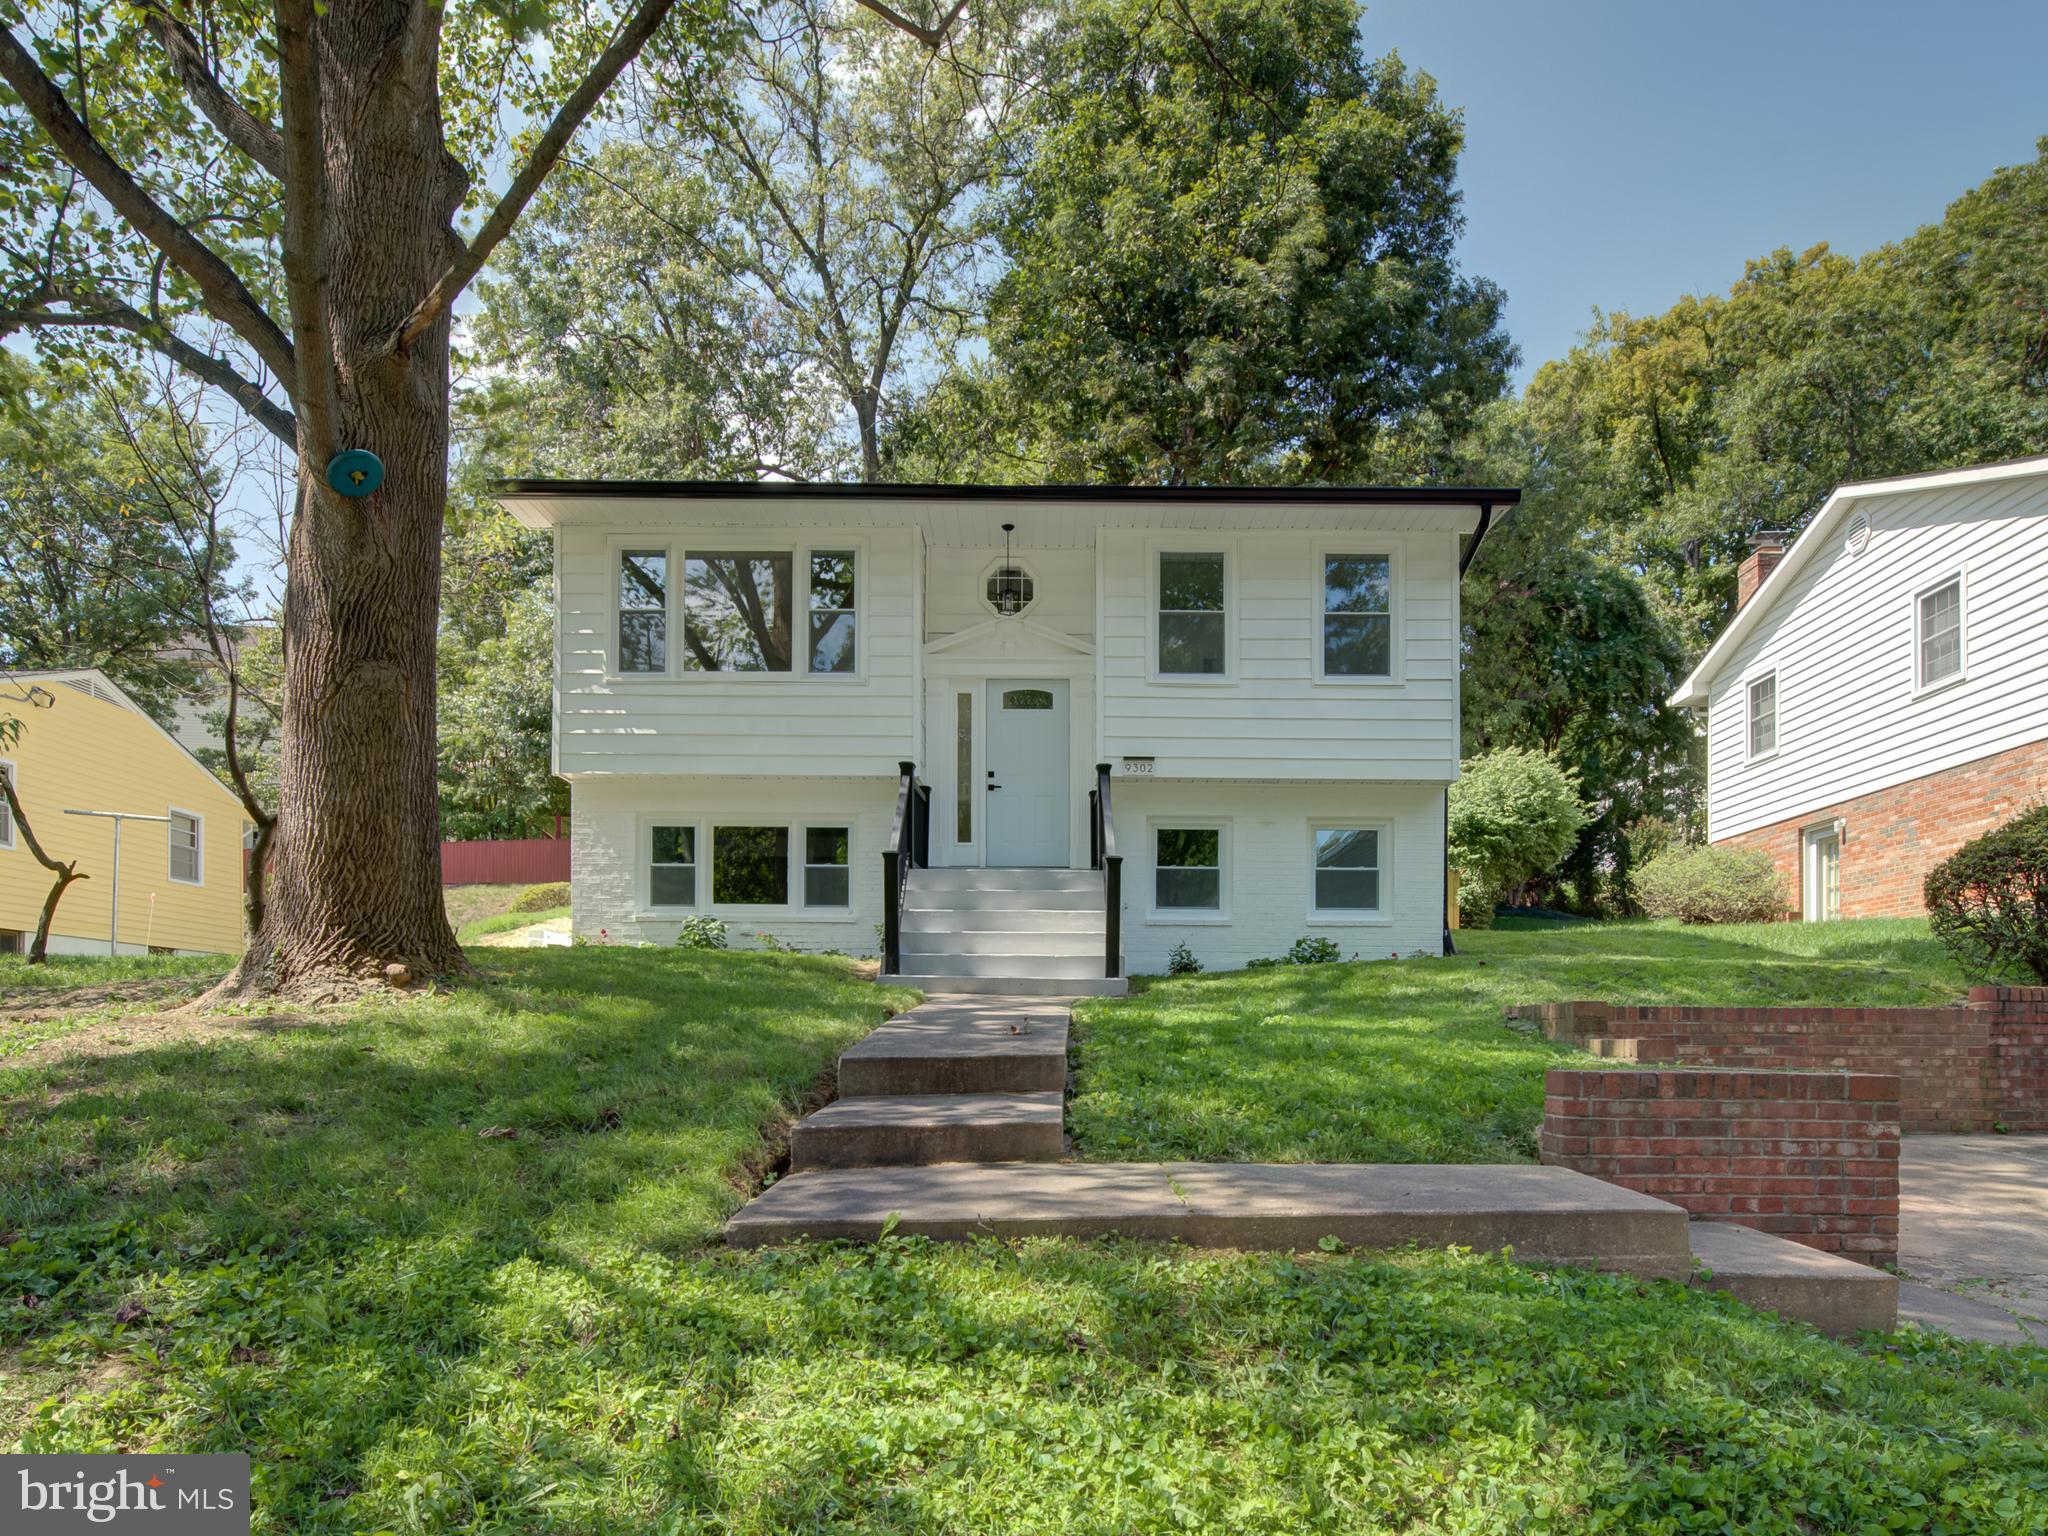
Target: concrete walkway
{"type": "Point", "coordinates": [1973, 1234]}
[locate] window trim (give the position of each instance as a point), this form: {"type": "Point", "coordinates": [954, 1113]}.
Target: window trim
{"type": "Point", "coordinates": [1770, 675]}
{"type": "Point", "coordinates": [1154, 550]}
{"type": "Point", "coordinates": [1157, 916]}
{"type": "Point", "coordinates": [678, 549]}
{"type": "Point", "coordinates": [1352, 917]}
{"type": "Point", "coordinates": [1325, 550]}
{"type": "Point", "coordinates": [12, 840]}
{"type": "Point", "coordinates": [645, 859]}
{"type": "Point", "coordinates": [801, 865]}
{"type": "Point", "coordinates": [1959, 579]}
{"type": "Point", "coordinates": [198, 846]}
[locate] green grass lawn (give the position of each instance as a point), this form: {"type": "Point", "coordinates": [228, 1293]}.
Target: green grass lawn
{"type": "Point", "coordinates": [1410, 1061]}
{"type": "Point", "coordinates": [504, 922]}
{"type": "Point", "coordinates": [292, 1236]}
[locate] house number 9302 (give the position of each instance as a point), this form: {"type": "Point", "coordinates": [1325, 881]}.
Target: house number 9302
{"type": "Point", "coordinates": [1137, 765]}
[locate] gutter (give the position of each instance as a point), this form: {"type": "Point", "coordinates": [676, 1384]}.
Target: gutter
{"type": "Point", "coordinates": [1464, 565]}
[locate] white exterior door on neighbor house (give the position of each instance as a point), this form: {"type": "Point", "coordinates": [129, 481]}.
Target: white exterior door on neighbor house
{"type": "Point", "coordinates": [1027, 769]}
{"type": "Point", "coordinates": [1823, 874]}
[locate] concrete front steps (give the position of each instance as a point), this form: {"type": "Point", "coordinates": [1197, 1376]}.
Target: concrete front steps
{"type": "Point", "coordinates": [1015, 932]}
{"type": "Point", "coordinates": [1775, 1274]}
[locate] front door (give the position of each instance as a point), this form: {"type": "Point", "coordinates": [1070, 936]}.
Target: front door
{"type": "Point", "coordinates": [1027, 771]}
{"type": "Point", "coordinates": [1823, 876]}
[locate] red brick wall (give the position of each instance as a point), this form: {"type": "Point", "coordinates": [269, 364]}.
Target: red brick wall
{"type": "Point", "coordinates": [1811, 1156]}
{"type": "Point", "coordinates": [1961, 1069]}
{"type": "Point", "coordinates": [1892, 837]}
{"type": "Point", "coordinates": [1756, 567]}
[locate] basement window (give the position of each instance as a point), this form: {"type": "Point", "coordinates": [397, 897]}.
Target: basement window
{"type": "Point", "coordinates": [827, 876]}
{"type": "Point", "coordinates": [750, 866]}
{"type": "Point", "coordinates": [1188, 869]}
{"type": "Point", "coordinates": [1347, 871]}
{"type": "Point", "coordinates": [672, 867]}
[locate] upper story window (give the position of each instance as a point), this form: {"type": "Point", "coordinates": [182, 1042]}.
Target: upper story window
{"type": "Point", "coordinates": [1194, 633]}
{"type": "Point", "coordinates": [185, 846]}
{"type": "Point", "coordinates": [832, 610]}
{"type": "Point", "coordinates": [1941, 632]}
{"type": "Point", "coordinates": [1763, 715]}
{"type": "Point", "coordinates": [739, 611]}
{"type": "Point", "coordinates": [643, 610]}
{"type": "Point", "coordinates": [1358, 616]}
{"type": "Point", "coordinates": [1010, 589]}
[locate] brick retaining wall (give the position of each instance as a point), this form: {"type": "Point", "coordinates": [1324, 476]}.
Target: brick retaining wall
{"type": "Point", "coordinates": [1961, 1069]}
{"type": "Point", "coordinates": [1811, 1156]}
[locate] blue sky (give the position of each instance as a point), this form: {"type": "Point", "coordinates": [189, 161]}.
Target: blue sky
{"type": "Point", "coordinates": [1621, 153]}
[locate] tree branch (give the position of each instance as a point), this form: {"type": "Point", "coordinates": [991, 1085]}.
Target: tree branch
{"type": "Point", "coordinates": [546, 151]}
{"type": "Point", "coordinates": [237, 124]}
{"type": "Point", "coordinates": [931, 37]}
{"type": "Point", "coordinates": [226, 297]}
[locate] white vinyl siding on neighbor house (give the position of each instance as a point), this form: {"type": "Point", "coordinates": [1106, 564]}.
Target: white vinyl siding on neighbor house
{"type": "Point", "coordinates": [686, 720]}
{"type": "Point", "coordinates": [1274, 712]}
{"type": "Point", "coordinates": [1848, 642]}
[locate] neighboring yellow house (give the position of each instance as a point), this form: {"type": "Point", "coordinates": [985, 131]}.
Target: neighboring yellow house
{"type": "Point", "coordinates": [84, 745]}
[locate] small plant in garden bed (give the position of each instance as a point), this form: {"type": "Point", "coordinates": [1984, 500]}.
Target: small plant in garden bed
{"type": "Point", "coordinates": [1182, 962]}
{"type": "Point", "coordinates": [700, 930]}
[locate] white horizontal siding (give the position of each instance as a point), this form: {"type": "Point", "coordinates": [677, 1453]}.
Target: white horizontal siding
{"type": "Point", "coordinates": [609, 821]}
{"type": "Point", "coordinates": [1272, 719]}
{"type": "Point", "coordinates": [1842, 642]}
{"type": "Point", "coordinates": [1267, 869]}
{"type": "Point", "coordinates": [735, 724]}
{"type": "Point", "coordinates": [1063, 589]}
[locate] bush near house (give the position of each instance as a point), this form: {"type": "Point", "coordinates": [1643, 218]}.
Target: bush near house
{"type": "Point", "coordinates": [1512, 815]}
{"type": "Point", "coordinates": [541, 898]}
{"type": "Point", "coordinates": [1698, 884]}
{"type": "Point", "coordinates": [1988, 901]}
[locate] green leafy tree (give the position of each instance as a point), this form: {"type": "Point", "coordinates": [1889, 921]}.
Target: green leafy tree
{"type": "Point", "coordinates": [274, 200]}
{"type": "Point", "coordinates": [1512, 815]}
{"type": "Point", "coordinates": [1230, 247]}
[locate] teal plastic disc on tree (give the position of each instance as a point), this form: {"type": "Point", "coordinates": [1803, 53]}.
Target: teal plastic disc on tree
{"type": "Point", "coordinates": [355, 472]}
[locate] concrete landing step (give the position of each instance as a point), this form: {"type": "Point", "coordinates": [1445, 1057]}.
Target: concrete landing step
{"type": "Point", "coordinates": [1775, 1274]}
{"type": "Point", "coordinates": [1546, 1214]}
{"type": "Point", "coordinates": [1011, 986]}
{"type": "Point", "coordinates": [959, 1044]}
{"type": "Point", "coordinates": [884, 1130]}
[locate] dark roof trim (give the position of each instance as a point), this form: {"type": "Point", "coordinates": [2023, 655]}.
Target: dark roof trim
{"type": "Point", "coordinates": [842, 490]}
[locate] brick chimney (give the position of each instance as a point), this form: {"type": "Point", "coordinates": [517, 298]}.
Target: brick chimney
{"type": "Point", "coordinates": [1766, 549]}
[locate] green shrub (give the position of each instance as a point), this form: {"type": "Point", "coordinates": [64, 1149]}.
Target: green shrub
{"type": "Point", "coordinates": [1988, 901]}
{"type": "Point", "coordinates": [701, 931]}
{"type": "Point", "coordinates": [1308, 950]}
{"type": "Point", "coordinates": [1513, 814]}
{"type": "Point", "coordinates": [1697, 884]}
{"type": "Point", "coordinates": [1475, 904]}
{"type": "Point", "coordinates": [1181, 961]}
{"type": "Point", "coordinates": [541, 898]}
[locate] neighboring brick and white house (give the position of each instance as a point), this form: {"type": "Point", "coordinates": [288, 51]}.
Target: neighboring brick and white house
{"type": "Point", "coordinates": [1881, 696]}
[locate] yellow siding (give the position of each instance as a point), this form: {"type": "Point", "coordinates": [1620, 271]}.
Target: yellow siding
{"type": "Point", "coordinates": [90, 754]}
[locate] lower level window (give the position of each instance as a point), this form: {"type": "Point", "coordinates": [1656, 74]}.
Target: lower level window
{"type": "Point", "coordinates": [672, 868]}
{"type": "Point", "coordinates": [750, 866]}
{"type": "Point", "coordinates": [184, 848]}
{"type": "Point", "coordinates": [826, 876]}
{"type": "Point", "coordinates": [1347, 872]}
{"type": "Point", "coordinates": [1188, 869]}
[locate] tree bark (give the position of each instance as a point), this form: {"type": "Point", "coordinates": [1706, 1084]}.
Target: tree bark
{"type": "Point", "coordinates": [38, 950]}
{"type": "Point", "coordinates": [357, 879]}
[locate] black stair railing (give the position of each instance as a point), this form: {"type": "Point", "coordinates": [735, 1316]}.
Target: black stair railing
{"type": "Point", "coordinates": [908, 836]}
{"type": "Point", "coordinates": [1102, 855]}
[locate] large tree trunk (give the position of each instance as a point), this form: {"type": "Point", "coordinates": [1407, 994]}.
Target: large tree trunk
{"type": "Point", "coordinates": [357, 884]}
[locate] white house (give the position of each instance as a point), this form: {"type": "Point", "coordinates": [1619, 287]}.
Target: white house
{"type": "Point", "coordinates": [864, 717]}
{"type": "Point", "coordinates": [1881, 695]}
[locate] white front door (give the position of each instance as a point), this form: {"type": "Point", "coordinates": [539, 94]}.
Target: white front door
{"type": "Point", "coordinates": [1027, 772]}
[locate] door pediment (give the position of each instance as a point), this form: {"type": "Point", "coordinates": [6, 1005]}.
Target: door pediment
{"type": "Point", "coordinates": [1017, 639]}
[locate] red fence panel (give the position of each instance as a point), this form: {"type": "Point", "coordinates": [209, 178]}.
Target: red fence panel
{"type": "Point", "coordinates": [506, 861]}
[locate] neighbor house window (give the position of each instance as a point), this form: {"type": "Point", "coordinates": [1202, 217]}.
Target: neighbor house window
{"type": "Point", "coordinates": [750, 866]}
{"type": "Point", "coordinates": [832, 610]}
{"type": "Point", "coordinates": [643, 610]}
{"type": "Point", "coordinates": [185, 831]}
{"type": "Point", "coordinates": [1358, 616]}
{"type": "Point", "coordinates": [1763, 715]}
{"type": "Point", "coordinates": [738, 611]}
{"type": "Point", "coordinates": [1188, 869]}
{"type": "Point", "coordinates": [1193, 630]}
{"type": "Point", "coordinates": [1347, 869]}
{"type": "Point", "coordinates": [6, 810]}
{"type": "Point", "coordinates": [1941, 632]}
{"type": "Point", "coordinates": [826, 878]}
{"type": "Point", "coordinates": [672, 867]}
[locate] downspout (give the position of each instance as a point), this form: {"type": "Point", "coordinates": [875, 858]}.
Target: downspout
{"type": "Point", "coordinates": [1464, 565]}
